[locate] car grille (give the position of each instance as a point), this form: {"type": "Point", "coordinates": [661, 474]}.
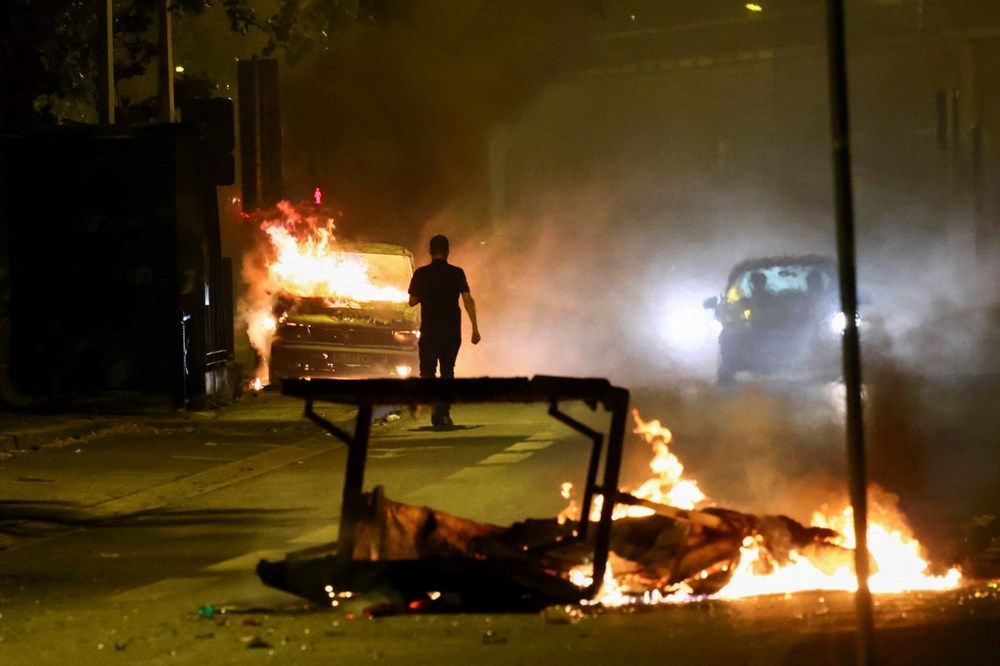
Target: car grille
{"type": "Point", "coordinates": [340, 335]}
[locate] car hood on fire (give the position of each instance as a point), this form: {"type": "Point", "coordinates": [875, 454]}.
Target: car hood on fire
{"type": "Point", "coordinates": [367, 314]}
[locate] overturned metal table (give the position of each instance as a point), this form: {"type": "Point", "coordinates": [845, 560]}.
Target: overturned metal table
{"type": "Point", "coordinates": [605, 453]}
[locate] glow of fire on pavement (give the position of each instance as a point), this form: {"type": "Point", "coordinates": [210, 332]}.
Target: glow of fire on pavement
{"type": "Point", "coordinates": [896, 553]}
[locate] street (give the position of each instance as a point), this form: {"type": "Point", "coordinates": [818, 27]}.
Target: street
{"type": "Point", "coordinates": [141, 546]}
{"type": "Point", "coordinates": [768, 232]}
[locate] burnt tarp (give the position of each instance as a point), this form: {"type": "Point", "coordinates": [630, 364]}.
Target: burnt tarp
{"type": "Point", "coordinates": [428, 558]}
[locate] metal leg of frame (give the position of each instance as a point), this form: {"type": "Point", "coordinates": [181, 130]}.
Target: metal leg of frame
{"type": "Point", "coordinates": [595, 459]}
{"type": "Point", "coordinates": [612, 468]}
{"type": "Point", "coordinates": [357, 454]}
{"type": "Point", "coordinates": [351, 502]}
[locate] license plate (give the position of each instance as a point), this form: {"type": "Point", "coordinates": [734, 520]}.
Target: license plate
{"type": "Point", "coordinates": [352, 359]}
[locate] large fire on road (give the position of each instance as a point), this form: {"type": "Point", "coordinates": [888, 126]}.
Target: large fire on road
{"type": "Point", "coordinates": [299, 256]}
{"type": "Point", "coordinates": [896, 554]}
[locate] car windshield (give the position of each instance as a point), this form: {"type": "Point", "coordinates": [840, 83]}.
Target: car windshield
{"type": "Point", "coordinates": [356, 280]}
{"type": "Point", "coordinates": [387, 270]}
{"type": "Point", "coordinates": [780, 280]}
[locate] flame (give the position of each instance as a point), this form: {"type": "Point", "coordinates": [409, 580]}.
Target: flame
{"type": "Point", "coordinates": [896, 554]}
{"type": "Point", "coordinates": [311, 264]}
{"type": "Point", "coordinates": [668, 486]}
{"type": "Point", "coordinates": [299, 255]}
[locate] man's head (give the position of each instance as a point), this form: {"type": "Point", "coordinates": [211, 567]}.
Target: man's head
{"type": "Point", "coordinates": [439, 246]}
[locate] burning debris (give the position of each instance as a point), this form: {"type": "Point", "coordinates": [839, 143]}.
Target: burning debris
{"type": "Point", "coordinates": [316, 306]}
{"type": "Point", "coordinates": [642, 548]}
{"type": "Point", "coordinates": [417, 551]}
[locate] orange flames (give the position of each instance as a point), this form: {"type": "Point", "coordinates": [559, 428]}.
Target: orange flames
{"type": "Point", "coordinates": [896, 554]}
{"type": "Point", "coordinates": [300, 256]}
{"type": "Point", "coordinates": [667, 486]}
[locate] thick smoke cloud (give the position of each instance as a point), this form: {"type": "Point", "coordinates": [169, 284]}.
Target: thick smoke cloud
{"type": "Point", "coordinates": [580, 290]}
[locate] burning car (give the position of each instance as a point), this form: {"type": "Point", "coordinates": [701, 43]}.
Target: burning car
{"type": "Point", "coordinates": [779, 314]}
{"type": "Point", "coordinates": [361, 326]}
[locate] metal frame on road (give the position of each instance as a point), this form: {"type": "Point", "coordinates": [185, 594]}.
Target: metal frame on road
{"type": "Point", "coordinates": [366, 394]}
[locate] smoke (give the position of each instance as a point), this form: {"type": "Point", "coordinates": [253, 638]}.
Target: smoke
{"type": "Point", "coordinates": [624, 199]}
{"type": "Point", "coordinates": [393, 122]}
{"type": "Point", "coordinates": [932, 293]}
{"type": "Point", "coordinates": [256, 302]}
{"type": "Point", "coordinates": [585, 287]}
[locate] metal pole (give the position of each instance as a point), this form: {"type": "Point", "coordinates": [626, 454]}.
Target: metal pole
{"type": "Point", "coordinates": [165, 67]}
{"type": "Point", "coordinates": [609, 487]}
{"type": "Point", "coordinates": [351, 502]}
{"type": "Point", "coordinates": [105, 64]}
{"type": "Point", "coordinates": [844, 206]}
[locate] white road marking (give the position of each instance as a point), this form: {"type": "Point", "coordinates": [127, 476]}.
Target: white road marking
{"type": "Point", "coordinates": [326, 534]}
{"type": "Point", "coordinates": [397, 452]}
{"type": "Point", "coordinates": [529, 446]}
{"type": "Point", "coordinates": [504, 458]}
{"type": "Point", "coordinates": [385, 453]}
{"type": "Point", "coordinates": [247, 561]}
{"type": "Point", "coordinates": [202, 458]}
{"type": "Point", "coordinates": [464, 474]}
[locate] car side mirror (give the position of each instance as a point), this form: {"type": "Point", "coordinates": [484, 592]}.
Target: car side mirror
{"type": "Point", "coordinates": [711, 303]}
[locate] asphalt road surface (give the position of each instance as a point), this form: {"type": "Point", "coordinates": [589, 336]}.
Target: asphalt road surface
{"type": "Point", "coordinates": [140, 545]}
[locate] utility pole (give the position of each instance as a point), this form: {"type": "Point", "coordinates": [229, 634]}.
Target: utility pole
{"type": "Point", "coordinates": [105, 64]}
{"type": "Point", "coordinates": [855, 435]}
{"type": "Point", "coordinates": [165, 69]}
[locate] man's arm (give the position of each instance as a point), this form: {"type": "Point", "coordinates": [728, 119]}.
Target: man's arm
{"type": "Point", "coordinates": [470, 309]}
{"type": "Point", "coordinates": [414, 289]}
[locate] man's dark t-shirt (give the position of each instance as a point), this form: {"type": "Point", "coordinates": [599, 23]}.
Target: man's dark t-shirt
{"type": "Point", "coordinates": [437, 286]}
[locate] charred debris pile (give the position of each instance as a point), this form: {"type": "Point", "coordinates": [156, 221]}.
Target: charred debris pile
{"type": "Point", "coordinates": [432, 560]}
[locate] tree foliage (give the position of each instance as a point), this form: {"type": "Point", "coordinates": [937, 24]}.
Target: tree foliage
{"type": "Point", "coordinates": [48, 48]}
{"type": "Point", "coordinates": [300, 25]}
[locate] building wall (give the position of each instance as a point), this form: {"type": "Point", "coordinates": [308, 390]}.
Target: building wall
{"type": "Point", "coordinates": [111, 236]}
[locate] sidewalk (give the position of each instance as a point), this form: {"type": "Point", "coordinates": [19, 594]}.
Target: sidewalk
{"type": "Point", "coordinates": [255, 409]}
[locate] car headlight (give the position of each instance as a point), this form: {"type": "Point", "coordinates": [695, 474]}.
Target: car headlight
{"type": "Point", "coordinates": [292, 331]}
{"type": "Point", "coordinates": [837, 322]}
{"type": "Point", "coordinates": [686, 328]}
{"type": "Point", "coordinates": [406, 337]}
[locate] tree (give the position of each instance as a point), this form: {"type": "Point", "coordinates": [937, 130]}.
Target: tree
{"type": "Point", "coordinates": [48, 55]}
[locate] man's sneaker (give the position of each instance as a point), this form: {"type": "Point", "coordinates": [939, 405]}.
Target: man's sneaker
{"type": "Point", "coordinates": [446, 420]}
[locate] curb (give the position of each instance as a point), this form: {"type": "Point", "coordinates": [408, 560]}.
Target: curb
{"type": "Point", "coordinates": [15, 439]}
{"type": "Point", "coordinates": [83, 429]}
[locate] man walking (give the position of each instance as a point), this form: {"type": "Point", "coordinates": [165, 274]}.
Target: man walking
{"type": "Point", "coordinates": [437, 287]}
